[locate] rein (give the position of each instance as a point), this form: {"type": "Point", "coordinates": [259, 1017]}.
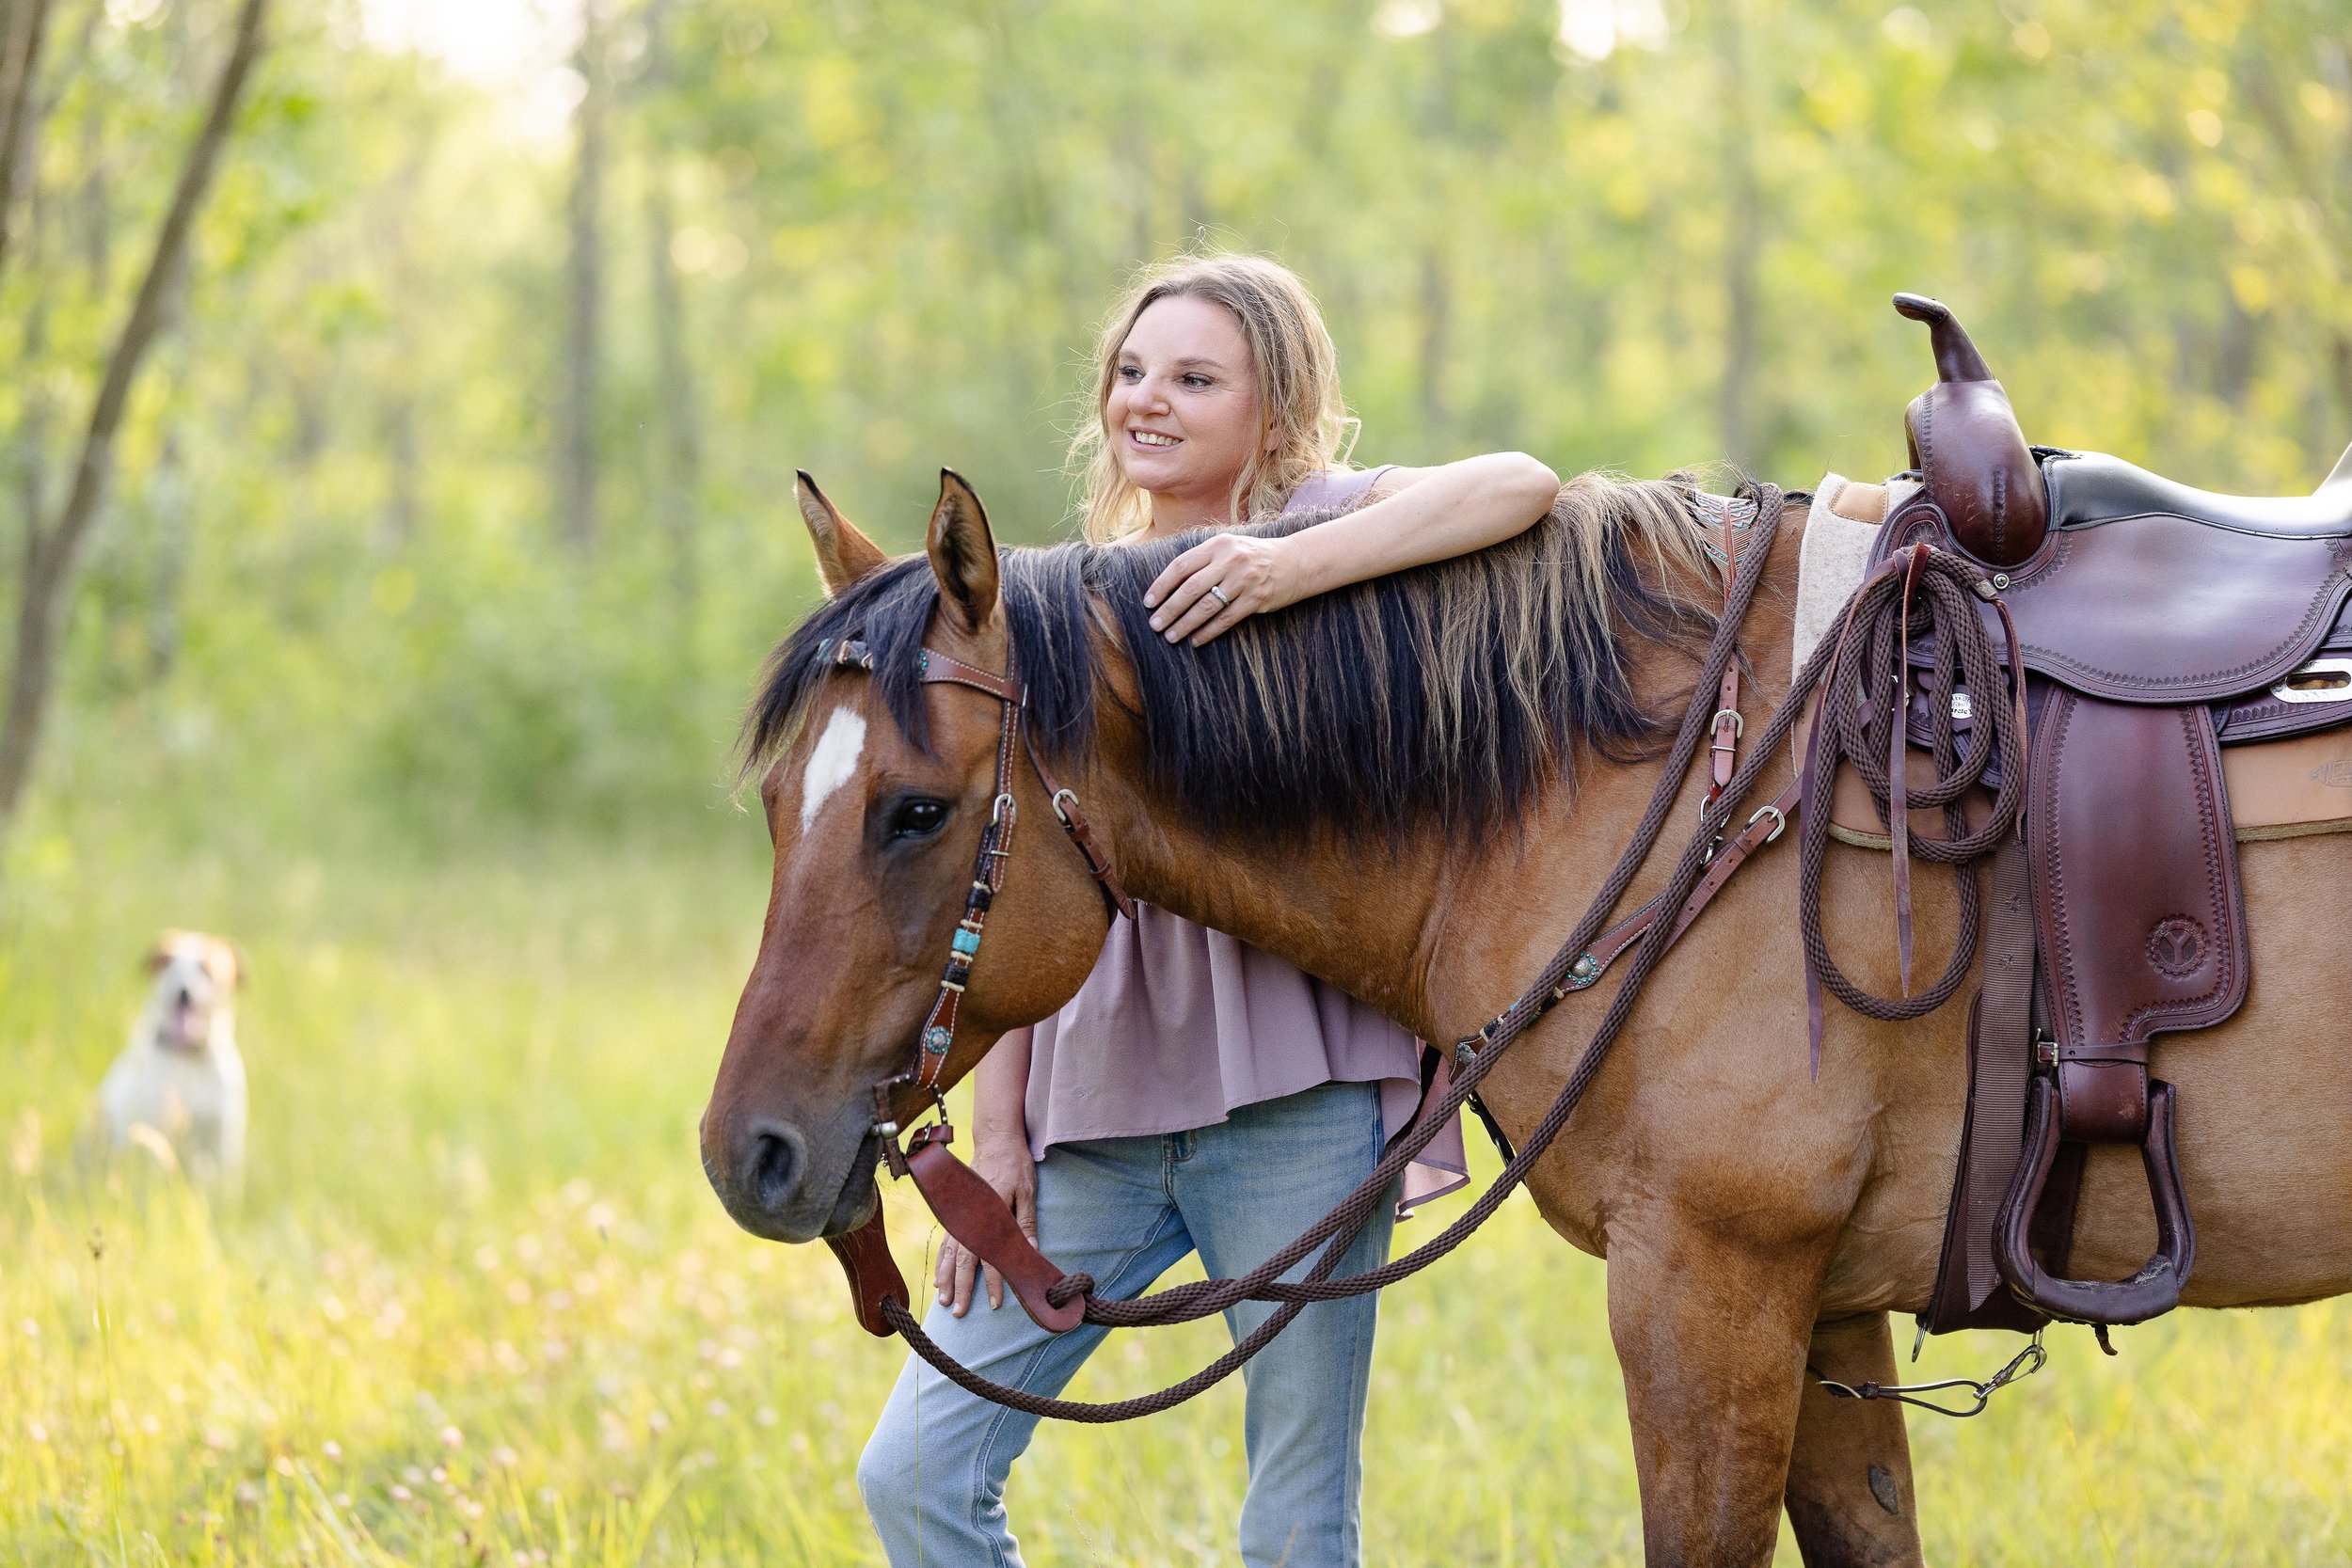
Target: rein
{"type": "Point", "coordinates": [1877, 630]}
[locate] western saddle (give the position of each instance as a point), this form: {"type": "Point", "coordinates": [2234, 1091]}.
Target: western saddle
{"type": "Point", "coordinates": [2157, 625]}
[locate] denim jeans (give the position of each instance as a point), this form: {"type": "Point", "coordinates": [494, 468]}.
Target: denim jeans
{"type": "Point", "coordinates": [1124, 1209]}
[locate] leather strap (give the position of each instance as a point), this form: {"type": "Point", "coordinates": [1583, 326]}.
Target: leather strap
{"type": "Point", "coordinates": [1723, 748]}
{"type": "Point", "coordinates": [1762, 828]}
{"type": "Point", "coordinates": [940, 668]}
{"type": "Point", "coordinates": [2001, 1061]}
{"type": "Point", "coordinates": [1073, 823]}
{"type": "Point", "coordinates": [874, 1276]}
{"type": "Point", "coordinates": [975, 1215]}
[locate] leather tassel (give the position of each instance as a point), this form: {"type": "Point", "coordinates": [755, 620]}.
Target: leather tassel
{"type": "Point", "coordinates": [1897, 748]}
{"type": "Point", "coordinates": [1813, 1016]}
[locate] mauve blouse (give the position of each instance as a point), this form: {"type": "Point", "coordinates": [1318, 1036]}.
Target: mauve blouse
{"type": "Point", "coordinates": [1177, 1024]}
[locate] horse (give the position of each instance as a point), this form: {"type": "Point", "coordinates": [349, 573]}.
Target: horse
{"type": "Point", "coordinates": [1409, 788]}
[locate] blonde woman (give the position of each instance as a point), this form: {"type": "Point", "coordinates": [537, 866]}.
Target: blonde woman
{"type": "Point", "coordinates": [1197, 1094]}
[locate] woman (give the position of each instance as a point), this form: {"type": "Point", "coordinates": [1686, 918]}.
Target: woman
{"type": "Point", "coordinates": [1197, 1094]}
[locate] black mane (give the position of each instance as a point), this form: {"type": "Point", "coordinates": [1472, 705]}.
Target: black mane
{"type": "Point", "coordinates": [1457, 690]}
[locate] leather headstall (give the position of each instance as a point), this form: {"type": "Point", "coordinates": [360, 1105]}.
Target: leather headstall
{"type": "Point", "coordinates": [964, 1203]}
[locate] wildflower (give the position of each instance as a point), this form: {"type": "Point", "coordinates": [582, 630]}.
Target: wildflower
{"type": "Point", "coordinates": [453, 1438]}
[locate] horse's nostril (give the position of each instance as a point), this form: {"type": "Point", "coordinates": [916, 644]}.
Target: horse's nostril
{"type": "Point", "coordinates": [777, 1160]}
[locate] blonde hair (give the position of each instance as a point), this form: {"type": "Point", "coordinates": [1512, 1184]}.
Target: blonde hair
{"type": "Point", "coordinates": [1298, 387]}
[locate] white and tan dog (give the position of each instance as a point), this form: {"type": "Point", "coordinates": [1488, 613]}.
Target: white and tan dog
{"type": "Point", "coordinates": [178, 1090]}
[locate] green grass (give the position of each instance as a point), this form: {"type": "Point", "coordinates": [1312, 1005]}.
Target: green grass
{"type": "Point", "coordinates": [476, 1305]}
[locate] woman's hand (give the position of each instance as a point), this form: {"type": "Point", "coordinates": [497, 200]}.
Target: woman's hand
{"type": "Point", "coordinates": [1013, 1174]}
{"type": "Point", "coordinates": [1250, 576]}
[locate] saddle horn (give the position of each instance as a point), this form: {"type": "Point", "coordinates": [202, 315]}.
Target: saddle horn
{"type": "Point", "coordinates": [1968, 448]}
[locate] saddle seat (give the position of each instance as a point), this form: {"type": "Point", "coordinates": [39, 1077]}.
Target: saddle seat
{"type": "Point", "coordinates": [2088, 490]}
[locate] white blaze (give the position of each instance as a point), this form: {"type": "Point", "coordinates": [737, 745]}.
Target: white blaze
{"type": "Point", "coordinates": [833, 764]}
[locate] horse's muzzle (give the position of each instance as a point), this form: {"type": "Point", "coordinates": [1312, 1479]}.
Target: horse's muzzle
{"type": "Point", "coordinates": [778, 1183]}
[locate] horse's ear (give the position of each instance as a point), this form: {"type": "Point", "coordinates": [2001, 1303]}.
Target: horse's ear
{"type": "Point", "coordinates": [843, 554]}
{"type": "Point", "coordinates": [963, 552]}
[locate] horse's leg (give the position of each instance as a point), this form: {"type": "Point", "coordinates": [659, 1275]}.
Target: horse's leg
{"type": "Point", "coordinates": [1849, 1497]}
{"type": "Point", "coordinates": [1711, 1333]}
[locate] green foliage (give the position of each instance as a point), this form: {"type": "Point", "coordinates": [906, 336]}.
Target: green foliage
{"type": "Point", "coordinates": [330, 567]}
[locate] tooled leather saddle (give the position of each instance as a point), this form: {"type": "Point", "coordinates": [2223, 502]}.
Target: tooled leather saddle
{"type": "Point", "coordinates": [2157, 624]}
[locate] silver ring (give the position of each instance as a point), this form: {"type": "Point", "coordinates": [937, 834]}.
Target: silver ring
{"type": "Point", "coordinates": [1220, 596]}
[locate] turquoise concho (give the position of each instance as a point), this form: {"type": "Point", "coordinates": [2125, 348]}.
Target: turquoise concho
{"type": "Point", "coordinates": [937, 1040]}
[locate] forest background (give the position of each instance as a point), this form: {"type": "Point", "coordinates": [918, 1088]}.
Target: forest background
{"type": "Point", "coordinates": [454, 498]}
{"type": "Point", "coordinates": [397, 619]}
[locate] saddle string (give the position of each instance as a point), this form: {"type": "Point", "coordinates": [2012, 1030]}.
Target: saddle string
{"type": "Point", "coordinates": [1950, 584]}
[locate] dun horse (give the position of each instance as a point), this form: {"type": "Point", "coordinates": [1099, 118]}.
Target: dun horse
{"type": "Point", "coordinates": [1410, 789]}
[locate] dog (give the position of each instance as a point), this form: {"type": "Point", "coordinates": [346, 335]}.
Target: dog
{"type": "Point", "coordinates": [177, 1090]}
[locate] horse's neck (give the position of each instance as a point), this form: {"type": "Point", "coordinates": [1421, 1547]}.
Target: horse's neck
{"type": "Point", "coordinates": [1506, 910]}
{"type": "Point", "coordinates": [1356, 922]}
{"type": "Point", "coordinates": [1437, 934]}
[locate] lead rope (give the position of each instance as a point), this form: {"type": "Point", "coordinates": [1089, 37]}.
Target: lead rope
{"type": "Point", "coordinates": [1961, 636]}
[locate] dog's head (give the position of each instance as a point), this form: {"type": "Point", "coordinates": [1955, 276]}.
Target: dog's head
{"type": "Point", "coordinates": [195, 982]}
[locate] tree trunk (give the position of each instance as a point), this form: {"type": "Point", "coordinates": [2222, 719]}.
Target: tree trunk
{"type": "Point", "coordinates": [52, 554]}
{"type": "Point", "coordinates": [23, 27]}
{"type": "Point", "coordinates": [576, 456]}
{"type": "Point", "coordinates": [172, 505]}
{"type": "Point", "coordinates": [1436, 331]}
{"type": "Point", "coordinates": [680, 467]}
{"type": "Point", "coordinates": [1742, 236]}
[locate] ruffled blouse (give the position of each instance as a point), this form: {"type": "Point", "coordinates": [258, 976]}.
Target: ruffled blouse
{"type": "Point", "coordinates": [1178, 1025]}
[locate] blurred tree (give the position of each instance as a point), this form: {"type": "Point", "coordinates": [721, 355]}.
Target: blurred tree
{"type": "Point", "coordinates": [583, 358]}
{"type": "Point", "coordinates": [53, 547]}
{"type": "Point", "coordinates": [873, 236]}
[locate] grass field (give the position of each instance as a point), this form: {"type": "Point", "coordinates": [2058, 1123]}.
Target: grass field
{"type": "Point", "coordinates": [476, 1305]}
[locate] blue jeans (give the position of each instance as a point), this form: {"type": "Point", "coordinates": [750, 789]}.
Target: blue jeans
{"type": "Point", "coordinates": [1126, 1210]}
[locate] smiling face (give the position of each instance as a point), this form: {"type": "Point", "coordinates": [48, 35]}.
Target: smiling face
{"type": "Point", "coordinates": [1182, 413]}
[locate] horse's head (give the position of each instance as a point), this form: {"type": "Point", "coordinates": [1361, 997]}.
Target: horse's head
{"type": "Point", "coordinates": [877, 826]}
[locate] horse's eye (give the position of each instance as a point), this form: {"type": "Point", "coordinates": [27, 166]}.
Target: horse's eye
{"type": "Point", "coordinates": [919, 818]}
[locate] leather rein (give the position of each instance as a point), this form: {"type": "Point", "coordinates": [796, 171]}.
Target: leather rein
{"type": "Point", "coordinates": [972, 1212]}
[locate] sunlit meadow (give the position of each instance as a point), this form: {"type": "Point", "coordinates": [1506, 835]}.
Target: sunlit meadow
{"type": "Point", "coordinates": [476, 1306]}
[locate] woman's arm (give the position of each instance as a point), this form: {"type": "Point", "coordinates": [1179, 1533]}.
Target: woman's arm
{"type": "Point", "coordinates": [1423, 514]}
{"type": "Point", "coordinates": [1000, 1152]}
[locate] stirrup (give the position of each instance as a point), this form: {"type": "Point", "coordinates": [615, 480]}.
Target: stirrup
{"type": "Point", "coordinates": [2156, 1288]}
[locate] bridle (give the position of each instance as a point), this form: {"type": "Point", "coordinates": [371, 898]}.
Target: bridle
{"type": "Point", "coordinates": [949, 1184]}
{"type": "Point", "coordinates": [919, 1082]}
